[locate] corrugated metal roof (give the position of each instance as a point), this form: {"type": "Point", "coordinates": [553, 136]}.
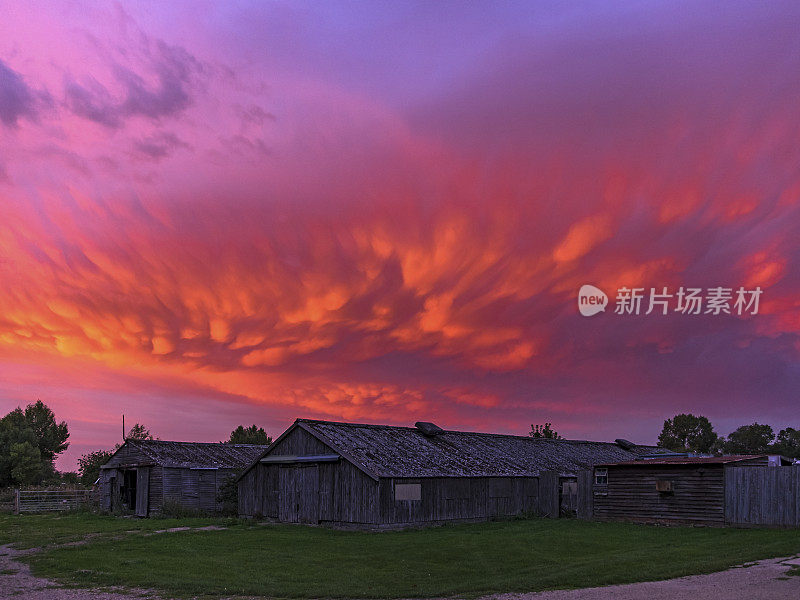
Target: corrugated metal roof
{"type": "Point", "coordinates": [390, 451]}
{"type": "Point", "coordinates": [198, 455]}
{"type": "Point", "coordinates": [687, 460]}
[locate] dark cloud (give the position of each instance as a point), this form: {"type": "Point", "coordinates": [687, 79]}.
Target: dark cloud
{"type": "Point", "coordinates": [172, 67]}
{"type": "Point", "coordinates": [93, 103]}
{"type": "Point", "coordinates": [158, 146]}
{"type": "Point", "coordinates": [16, 98]}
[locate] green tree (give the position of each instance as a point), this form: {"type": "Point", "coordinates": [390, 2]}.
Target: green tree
{"type": "Point", "coordinates": [250, 435]}
{"type": "Point", "coordinates": [25, 461]}
{"type": "Point", "coordinates": [70, 478]}
{"type": "Point", "coordinates": [89, 465]}
{"type": "Point", "coordinates": [788, 442]}
{"type": "Point", "coordinates": [687, 433]}
{"type": "Point", "coordinates": [30, 440]}
{"type": "Point", "coordinates": [228, 495]}
{"type": "Point", "coordinates": [750, 439]}
{"type": "Point", "coordinates": [139, 432]}
{"type": "Point", "coordinates": [545, 431]}
{"type": "Point", "coordinates": [51, 437]}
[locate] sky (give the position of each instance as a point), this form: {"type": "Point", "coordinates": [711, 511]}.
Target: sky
{"type": "Point", "coordinates": [224, 213]}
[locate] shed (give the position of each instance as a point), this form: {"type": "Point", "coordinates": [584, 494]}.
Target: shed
{"type": "Point", "coordinates": [381, 475]}
{"type": "Point", "coordinates": [676, 489]}
{"type": "Point", "coordinates": [143, 474]}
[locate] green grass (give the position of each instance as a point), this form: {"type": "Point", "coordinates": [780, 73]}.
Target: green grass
{"type": "Point", "coordinates": [36, 531]}
{"type": "Point", "coordinates": [465, 560]}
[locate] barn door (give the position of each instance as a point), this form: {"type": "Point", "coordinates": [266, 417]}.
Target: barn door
{"type": "Point", "coordinates": [142, 490]}
{"type": "Point", "coordinates": [309, 494]}
{"type": "Point", "coordinates": [288, 495]}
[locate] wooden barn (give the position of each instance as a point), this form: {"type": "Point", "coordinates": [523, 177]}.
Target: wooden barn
{"type": "Point", "coordinates": [669, 489]}
{"type": "Point", "coordinates": [379, 475]}
{"type": "Point", "coordinates": [144, 474]}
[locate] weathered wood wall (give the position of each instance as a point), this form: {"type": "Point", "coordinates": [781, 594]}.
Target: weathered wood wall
{"type": "Point", "coordinates": [698, 494]}
{"type": "Point", "coordinates": [195, 489]}
{"type": "Point", "coordinates": [333, 492]}
{"type": "Point", "coordinates": [459, 498]}
{"type": "Point", "coordinates": [339, 492]}
{"type": "Point", "coordinates": [762, 496]}
{"type": "Point", "coordinates": [549, 505]}
{"type": "Point", "coordinates": [585, 494]}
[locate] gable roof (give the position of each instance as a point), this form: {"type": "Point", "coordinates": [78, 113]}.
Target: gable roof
{"type": "Point", "coordinates": [197, 455]}
{"type": "Point", "coordinates": [391, 451]}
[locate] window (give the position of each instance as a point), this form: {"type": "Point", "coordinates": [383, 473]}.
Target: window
{"type": "Point", "coordinates": [601, 476]}
{"type": "Point", "coordinates": [407, 491]}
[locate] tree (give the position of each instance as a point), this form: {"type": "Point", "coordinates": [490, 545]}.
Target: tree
{"type": "Point", "coordinates": [89, 465]}
{"type": "Point", "coordinates": [25, 460]}
{"type": "Point", "coordinates": [30, 439]}
{"type": "Point", "coordinates": [51, 437]}
{"type": "Point", "coordinates": [250, 435]}
{"type": "Point", "coordinates": [687, 433]}
{"type": "Point", "coordinates": [70, 478]}
{"type": "Point", "coordinates": [788, 442]}
{"type": "Point", "coordinates": [546, 431]}
{"type": "Point", "coordinates": [750, 439]}
{"type": "Point", "coordinates": [228, 495]}
{"type": "Point", "coordinates": [139, 432]}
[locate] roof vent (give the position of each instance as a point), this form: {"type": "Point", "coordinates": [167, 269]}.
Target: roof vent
{"type": "Point", "coordinates": [428, 429]}
{"type": "Point", "coordinates": [624, 444]}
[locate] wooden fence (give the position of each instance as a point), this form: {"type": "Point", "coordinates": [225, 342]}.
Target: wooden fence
{"type": "Point", "coordinates": [763, 496]}
{"type": "Point", "coordinates": [50, 500]}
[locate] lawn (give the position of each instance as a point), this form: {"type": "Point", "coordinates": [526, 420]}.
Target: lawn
{"type": "Point", "coordinates": [296, 561]}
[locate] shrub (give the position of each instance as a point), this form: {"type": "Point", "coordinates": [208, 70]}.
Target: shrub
{"type": "Point", "coordinates": [228, 496]}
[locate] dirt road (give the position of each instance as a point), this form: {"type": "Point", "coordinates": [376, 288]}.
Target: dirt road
{"type": "Point", "coordinates": [764, 580]}
{"type": "Point", "coordinates": [16, 582]}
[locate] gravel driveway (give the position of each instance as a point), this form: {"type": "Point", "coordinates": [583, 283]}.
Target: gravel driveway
{"type": "Point", "coordinates": [764, 580]}
{"type": "Point", "coordinates": [17, 582]}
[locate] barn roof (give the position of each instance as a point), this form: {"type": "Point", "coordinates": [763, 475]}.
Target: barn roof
{"type": "Point", "coordinates": [690, 460]}
{"type": "Point", "coordinates": [197, 455]}
{"type": "Point", "coordinates": [390, 451]}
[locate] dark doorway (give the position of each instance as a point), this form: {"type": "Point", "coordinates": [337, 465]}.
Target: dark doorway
{"type": "Point", "coordinates": [128, 490]}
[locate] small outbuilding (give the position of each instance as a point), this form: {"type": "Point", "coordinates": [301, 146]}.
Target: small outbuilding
{"type": "Point", "coordinates": [143, 475]}
{"type": "Point", "coordinates": [381, 475]}
{"type": "Point", "coordinates": [679, 489]}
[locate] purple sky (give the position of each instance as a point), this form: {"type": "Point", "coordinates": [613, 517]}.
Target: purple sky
{"type": "Point", "coordinates": [227, 213]}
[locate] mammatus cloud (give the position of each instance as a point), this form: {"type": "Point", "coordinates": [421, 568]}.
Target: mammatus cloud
{"type": "Point", "coordinates": [255, 243]}
{"type": "Point", "coordinates": [173, 70]}
{"type": "Point", "coordinates": [16, 98]}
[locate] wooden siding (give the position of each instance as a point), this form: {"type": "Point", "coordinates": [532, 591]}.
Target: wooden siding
{"type": "Point", "coordinates": [156, 497]}
{"type": "Point", "coordinates": [340, 492]}
{"type": "Point", "coordinates": [459, 498]}
{"type": "Point", "coordinates": [697, 494]}
{"type": "Point", "coordinates": [127, 455]}
{"type": "Point", "coordinates": [331, 491]}
{"type": "Point", "coordinates": [585, 494]}
{"type": "Point", "coordinates": [549, 494]}
{"type": "Point", "coordinates": [171, 484]}
{"type": "Point", "coordinates": [195, 488]}
{"type": "Point", "coordinates": [762, 496]}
